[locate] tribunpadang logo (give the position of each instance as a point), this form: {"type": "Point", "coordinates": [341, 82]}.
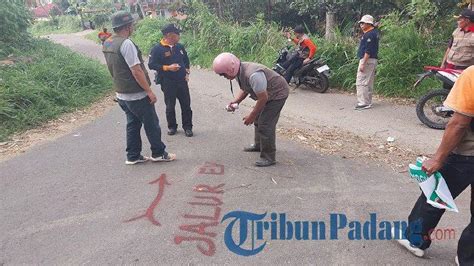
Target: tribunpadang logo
{"type": "Point", "coordinates": [248, 233]}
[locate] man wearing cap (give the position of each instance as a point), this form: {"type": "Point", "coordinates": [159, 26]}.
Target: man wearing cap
{"type": "Point", "coordinates": [460, 52]}
{"type": "Point", "coordinates": [170, 60]}
{"type": "Point", "coordinates": [367, 53]}
{"type": "Point", "coordinates": [133, 91]}
{"type": "Point", "coordinates": [305, 52]}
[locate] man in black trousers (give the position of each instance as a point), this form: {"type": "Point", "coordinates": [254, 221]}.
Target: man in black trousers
{"type": "Point", "coordinates": [170, 60]}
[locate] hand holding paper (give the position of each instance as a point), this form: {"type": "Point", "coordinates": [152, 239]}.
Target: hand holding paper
{"type": "Point", "coordinates": [434, 187]}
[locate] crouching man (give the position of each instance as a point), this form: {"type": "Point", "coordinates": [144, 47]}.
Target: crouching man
{"type": "Point", "coordinates": [265, 86]}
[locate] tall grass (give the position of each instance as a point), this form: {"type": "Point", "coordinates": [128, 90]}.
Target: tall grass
{"type": "Point", "coordinates": [59, 24]}
{"type": "Point", "coordinates": [405, 47]}
{"type": "Point", "coordinates": [57, 81]}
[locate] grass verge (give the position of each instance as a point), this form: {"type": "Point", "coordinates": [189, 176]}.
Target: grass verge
{"type": "Point", "coordinates": [45, 82]}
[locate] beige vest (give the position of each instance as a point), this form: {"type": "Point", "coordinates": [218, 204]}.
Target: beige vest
{"type": "Point", "coordinates": [462, 49]}
{"type": "Point", "coordinates": [277, 88]}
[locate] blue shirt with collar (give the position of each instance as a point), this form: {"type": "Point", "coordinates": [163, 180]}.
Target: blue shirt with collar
{"type": "Point", "coordinates": [163, 54]}
{"type": "Point", "coordinates": [369, 43]}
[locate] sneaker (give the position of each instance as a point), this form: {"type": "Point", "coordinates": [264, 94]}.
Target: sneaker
{"type": "Point", "coordinates": [141, 159]}
{"type": "Point", "coordinates": [172, 131]}
{"type": "Point", "coordinates": [188, 133]}
{"type": "Point", "coordinates": [252, 148]}
{"type": "Point", "coordinates": [456, 260]}
{"type": "Point", "coordinates": [363, 106]}
{"type": "Point", "coordinates": [166, 157]}
{"type": "Point", "coordinates": [406, 244]}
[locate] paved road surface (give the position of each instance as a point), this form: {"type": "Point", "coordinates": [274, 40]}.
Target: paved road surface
{"type": "Point", "coordinates": [68, 201]}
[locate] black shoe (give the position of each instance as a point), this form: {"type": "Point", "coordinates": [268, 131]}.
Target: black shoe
{"type": "Point", "coordinates": [252, 148]}
{"type": "Point", "coordinates": [188, 132]}
{"type": "Point", "coordinates": [264, 163]}
{"type": "Point", "coordinates": [172, 131]}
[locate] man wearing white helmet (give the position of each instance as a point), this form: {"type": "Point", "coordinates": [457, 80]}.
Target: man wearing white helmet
{"type": "Point", "coordinates": [367, 53]}
{"type": "Point", "coordinates": [268, 88]}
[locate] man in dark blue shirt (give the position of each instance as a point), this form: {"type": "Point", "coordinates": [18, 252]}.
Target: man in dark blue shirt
{"type": "Point", "coordinates": [367, 53]}
{"type": "Point", "coordinates": [170, 60]}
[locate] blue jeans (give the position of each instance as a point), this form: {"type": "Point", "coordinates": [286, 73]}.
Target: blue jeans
{"type": "Point", "coordinates": [142, 112]}
{"type": "Point", "coordinates": [458, 171]}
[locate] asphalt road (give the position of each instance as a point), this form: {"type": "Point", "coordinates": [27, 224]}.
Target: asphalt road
{"type": "Point", "coordinates": [73, 200]}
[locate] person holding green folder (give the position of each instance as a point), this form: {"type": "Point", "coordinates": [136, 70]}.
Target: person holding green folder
{"type": "Point", "coordinates": [454, 159]}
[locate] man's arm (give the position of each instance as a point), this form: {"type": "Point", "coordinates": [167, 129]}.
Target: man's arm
{"type": "Point", "coordinates": [240, 97]}
{"type": "Point", "coordinates": [139, 76]}
{"type": "Point", "coordinates": [364, 62]}
{"type": "Point", "coordinates": [443, 62]}
{"type": "Point", "coordinates": [154, 60]}
{"type": "Point", "coordinates": [186, 59]}
{"type": "Point", "coordinates": [457, 126]}
{"type": "Point", "coordinates": [262, 99]}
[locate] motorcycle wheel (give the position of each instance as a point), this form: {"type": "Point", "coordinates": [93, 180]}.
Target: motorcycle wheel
{"type": "Point", "coordinates": [426, 109]}
{"type": "Point", "coordinates": [316, 82]}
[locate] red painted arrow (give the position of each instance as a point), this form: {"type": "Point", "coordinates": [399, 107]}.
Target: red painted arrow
{"type": "Point", "coordinates": [149, 212]}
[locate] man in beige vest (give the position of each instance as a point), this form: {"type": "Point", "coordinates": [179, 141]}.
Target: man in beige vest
{"type": "Point", "coordinates": [460, 53]}
{"type": "Point", "coordinates": [132, 86]}
{"type": "Point", "coordinates": [265, 86]}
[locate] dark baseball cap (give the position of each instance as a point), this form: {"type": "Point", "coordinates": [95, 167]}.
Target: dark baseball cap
{"type": "Point", "coordinates": [170, 28]}
{"type": "Point", "coordinates": [467, 13]}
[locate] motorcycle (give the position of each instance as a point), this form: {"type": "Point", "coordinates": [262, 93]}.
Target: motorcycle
{"type": "Point", "coordinates": [430, 109]}
{"type": "Point", "coordinates": [314, 74]}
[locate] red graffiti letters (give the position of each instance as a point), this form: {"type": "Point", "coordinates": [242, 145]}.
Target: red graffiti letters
{"type": "Point", "coordinates": [211, 169]}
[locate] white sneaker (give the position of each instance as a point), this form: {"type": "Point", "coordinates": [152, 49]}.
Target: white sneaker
{"type": "Point", "coordinates": [166, 157]}
{"type": "Point", "coordinates": [456, 260]}
{"type": "Point", "coordinates": [363, 106]}
{"type": "Point", "coordinates": [406, 244]}
{"type": "Point", "coordinates": [142, 159]}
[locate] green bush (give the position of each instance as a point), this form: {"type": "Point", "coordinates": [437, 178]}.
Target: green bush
{"type": "Point", "coordinates": [408, 42]}
{"type": "Point", "coordinates": [57, 81]}
{"type": "Point", "coordinates": [14, 22]}
{"type": "Point", "coordinates": [148, 33]}
{"type": "Point", "coordinates": [59, 24]}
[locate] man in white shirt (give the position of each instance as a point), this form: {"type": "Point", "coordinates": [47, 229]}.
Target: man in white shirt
{"type": "Point", "coordinates": [132, 86]}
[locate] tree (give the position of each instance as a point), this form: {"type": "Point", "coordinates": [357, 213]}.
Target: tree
{"type": "Point", "coordinates": [14, 21]}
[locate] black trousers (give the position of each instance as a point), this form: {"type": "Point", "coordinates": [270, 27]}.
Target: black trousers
{"type": "Point", "coordinates": [265, 128]}
{"type": "Point", "coordinates": [291, 66]}
{"type": "Point", "coordinates": [177, 89]}
{"type": "Point", "coordinates": [458, 171]}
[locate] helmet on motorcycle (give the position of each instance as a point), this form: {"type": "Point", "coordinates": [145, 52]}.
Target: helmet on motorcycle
{"type": "Point", "coordinates": [226, 63]}
{"type": "Point", "coordinates": [299, 29]}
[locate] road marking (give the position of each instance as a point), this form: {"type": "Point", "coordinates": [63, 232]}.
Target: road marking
{"type": "Point", "coordinates": [149, 213]}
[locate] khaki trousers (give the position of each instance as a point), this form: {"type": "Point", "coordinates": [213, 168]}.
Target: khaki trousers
{"type": "Point", "coordinates": [365, 82]}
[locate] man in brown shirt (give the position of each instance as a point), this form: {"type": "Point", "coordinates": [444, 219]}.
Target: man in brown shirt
{"type": "Point", "coordinates": [265, 86]}
{"type": "Point", "coordinates": [460, 53]}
